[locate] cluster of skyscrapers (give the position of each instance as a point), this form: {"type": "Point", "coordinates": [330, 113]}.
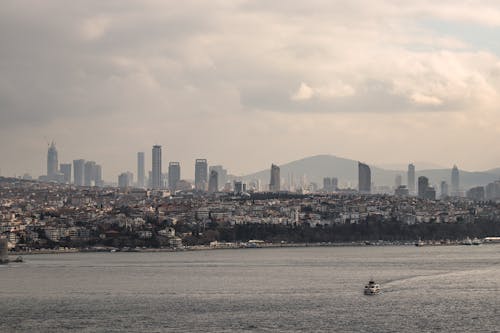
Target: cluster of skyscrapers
{"type": "Point", "coordinates": [85, 173]}
{"type": "Point", "coordinates": [330, 184]}
{"type": "Point", "coordinates": [215, 178]}
{"type": "Point", "coordinates": [420, 188]}
{"type": "Point", "coordinates": [426, 191]}
{"type": "Point", "coordinates": [205, 179]}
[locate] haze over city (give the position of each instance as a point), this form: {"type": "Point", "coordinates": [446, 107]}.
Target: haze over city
{"type": "Point", "coordinates": [249, 166]}
{"type": "Point", "coordinates": [246, 84]}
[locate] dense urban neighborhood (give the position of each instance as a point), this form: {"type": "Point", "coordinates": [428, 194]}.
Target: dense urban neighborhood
{"type": "Point", "coordinates": [43, 215]}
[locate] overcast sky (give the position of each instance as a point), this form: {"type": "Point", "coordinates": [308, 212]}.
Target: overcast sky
{"type": "Point", "coordinates": [248, 83]}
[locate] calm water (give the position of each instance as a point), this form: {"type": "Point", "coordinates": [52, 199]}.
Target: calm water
{"type": "Point", "coordinates": [427, 289]}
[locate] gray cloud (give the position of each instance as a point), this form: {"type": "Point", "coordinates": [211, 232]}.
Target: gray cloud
{"type": "Point", "coordinates": [134, 73]}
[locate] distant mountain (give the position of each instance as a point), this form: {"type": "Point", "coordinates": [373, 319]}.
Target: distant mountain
{"type": "Point", "coordinates": [495, 172]}
{"type": "Point", "coordinates": [404, 166]}
{"type": "Point", "coordinates": [346, 170]}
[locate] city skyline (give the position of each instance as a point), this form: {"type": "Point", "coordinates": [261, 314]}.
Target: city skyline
{"type": "Point", "coordinates": [92, 176]}
{"type": "Point", "coordinates": [327, 78]}
{"type": "Point", "coordinates": [52, 170]}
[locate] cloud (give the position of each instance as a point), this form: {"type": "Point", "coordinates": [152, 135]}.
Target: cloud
{"type": "Point", "coordinates": [426, 100]}
{"type": "Point", "coordinates": [303, 93]}
{"type": "Point", "coordinates": [95, 27]}
{"type": "Point", "coordinates": [257, 72]}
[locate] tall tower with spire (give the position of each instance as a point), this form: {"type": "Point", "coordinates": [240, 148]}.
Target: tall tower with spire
{"type": "Point", "coordinates": [52, 162]}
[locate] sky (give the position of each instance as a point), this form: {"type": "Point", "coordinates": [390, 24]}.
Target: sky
{"type": "Point", "coordinates": [249, 83]}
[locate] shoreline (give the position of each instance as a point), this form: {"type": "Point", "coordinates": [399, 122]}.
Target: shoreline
{"type": "Point", "coordinates": [231, 246]}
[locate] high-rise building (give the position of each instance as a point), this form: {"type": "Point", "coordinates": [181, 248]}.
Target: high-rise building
{"type": "Point", "coordinates": [411, 179]}
{"type": "Point", "coordinates": [364, 178]}
{"type": "Point", "coordinates": [423, 184]}
{"type": "Point", "coordinates": [424, 190]}
{"type": "Point", "coordinates": [476, 193]}
{"type": "Point", "coordinates": [398, 181]}
{"type": "Point", "coordinates": [174, 175]}
{"type": "Point", "coordinates": [156, 176]}
{"type": "Point", "coordinates": [239, 186]}
{"type": "Point", "coordinates": [52, 162]}
{"type": "Point", "coordinates": [330, 184]}
{"type": "Point", "coordinates": [89, 173]}
{"type": "Point", "coordinates": [401, 191]}
{"type": "Point", "coordinates": [141, 173]}
{"type": "Point", "coordinates": [200, 174]}
{"type": "Point", "coordinates": [335, 184]}
{"type": "Point", "coordinates": [78, 172]}
{"type": "Point", "coordinates": [124, 180]}
{"type": "Point", "coordinates": [492, 191]}
{"type": "Point", "coordinates": [455, 182]}
{"type": "Point", "coordinates": [221, 172]}
{"type": "Point", "coordinates": [98, 175]}
{"type": "Point", "coordinates": [66, 171]}
{"type": "Point", "coordinates": [275, 182]}
{"type": "Point", "coordinates": [327, 184]}
{"type": "Point", "coordinates": [430, 193]}
{"type": "Point", "coordinates": [444, 189]}
{"type": "Point", "coordinates": [213, 182]}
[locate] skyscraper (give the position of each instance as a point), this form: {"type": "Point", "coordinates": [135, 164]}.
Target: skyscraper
{"type": "Point", "coordinates": [66, 171]}
{"type": "Point", "coordinates": [335, 184]}
{"type": "Point", "coordinates": [444, 189]}
{"type": "Point", "coordinates": [221, 174]}
{"type": "Point", "coordinates": [213, 182]}
{"type": "Point", "coordinates": [156, 182]}
{"type": "Point", "coordinates": [330, 184]}
{"type": "Point", "coordinates": [411, 179]}
{"type": "Point", "coordinates": [327, 184]}
{"type": "Point", "coordinates": [124, 180]}
{"type": "Point", "coordinates": [423, 185]}
{"type": "Point", "coordinates": [52, 162]}
{"type": "Point", "coordinates": [174, 175]}
{"type": "Point", "coordinates": [89, 173]}
{"type": "Point", "coordinates": [240, 186]}
{"type": "Point", "coordinates": [98, 175]}
{"type": "Point", "coordinates": [275, 182]}
{"type": "Point", "coordinates": [200, 174]}
{"type": "Point", "coordinates": [364, 178]}
{"type": "Point", "coordinates": [140, 169]}
{"type": "Point", "coordinates": [430, 193]}
{"type": "Point", "coordinates": [78, 171]}
{"type": "Point", "coordinates": [455, 182]}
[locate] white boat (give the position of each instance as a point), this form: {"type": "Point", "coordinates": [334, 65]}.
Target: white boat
{"type": "Point", "coordinates": [477, 241]}
{"type": "Point", "coordinates": [372, 288]}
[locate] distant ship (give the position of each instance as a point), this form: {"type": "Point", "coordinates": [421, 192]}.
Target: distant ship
{"type": "Point", "coordinates": [372, 288]}
{"type": "Point", "coordinates": [477, 241]}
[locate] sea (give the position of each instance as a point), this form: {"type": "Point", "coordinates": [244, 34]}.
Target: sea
{"type": "Point", "coordinates": [309, 289]}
